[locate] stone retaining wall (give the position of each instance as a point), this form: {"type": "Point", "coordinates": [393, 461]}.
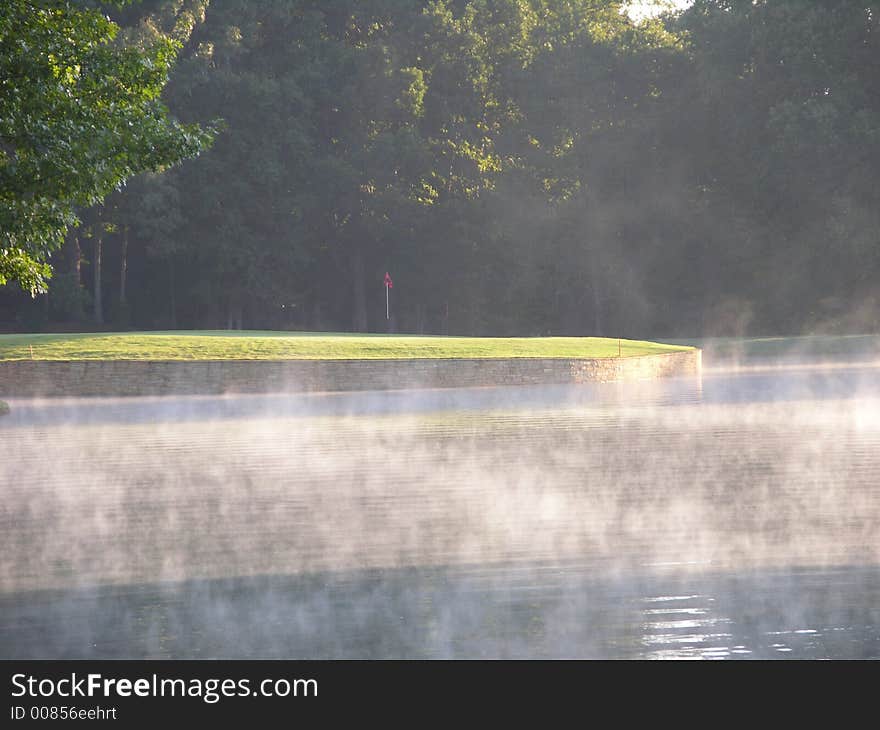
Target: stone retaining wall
{"type": "Point", "coordinates": [33, 379]}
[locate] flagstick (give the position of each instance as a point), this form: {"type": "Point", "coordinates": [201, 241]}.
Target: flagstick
{"type": "Point", "coordinates": [386, 301]}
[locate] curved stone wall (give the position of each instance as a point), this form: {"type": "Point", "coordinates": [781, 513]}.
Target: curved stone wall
{"type": "Point", "coordinates": [34, 379]}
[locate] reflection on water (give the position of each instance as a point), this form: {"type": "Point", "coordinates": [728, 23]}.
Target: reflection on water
{"type": "Point", "coordinates": [514, 610]}
{"type": "Point", "coordinates": [732, 516]}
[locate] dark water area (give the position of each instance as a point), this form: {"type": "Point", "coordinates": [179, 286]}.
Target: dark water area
{"type": "Point", "coordinates": [517, 611]}
{"type": "Point", "coordinates": [734, 515]}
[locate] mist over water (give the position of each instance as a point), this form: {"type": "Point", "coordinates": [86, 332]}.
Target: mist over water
{"type": "Point", "coordinates": [733, 515]}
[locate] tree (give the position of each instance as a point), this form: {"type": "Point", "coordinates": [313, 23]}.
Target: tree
{"type": "Point", "coordinates": [785, 128]}
{"type": "Point", "coordinates": [80, 113]}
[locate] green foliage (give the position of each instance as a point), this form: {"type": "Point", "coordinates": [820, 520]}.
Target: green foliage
{"type": "Point", "coordinates": [80, 113]}
{"type": "Point", "coordinates": [69, 301]}
{"type": "Point", "coordinates": [789, 97]}
{"type": "Point", "coordinates": [523, 167]}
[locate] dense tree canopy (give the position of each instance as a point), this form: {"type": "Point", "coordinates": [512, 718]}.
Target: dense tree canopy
{"type": "Point", "coordinates": [520, 166]}
{"type": "Point", "coordinates": [79, 114]}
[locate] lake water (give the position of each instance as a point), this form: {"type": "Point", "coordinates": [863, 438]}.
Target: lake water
{"type": "Point", "coordinates": [734, 515]}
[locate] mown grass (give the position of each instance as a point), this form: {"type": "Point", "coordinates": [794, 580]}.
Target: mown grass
{"type": "Point", "coordinates": [261, 345]}
{"type": "Point", "coordinates": [811, 347]}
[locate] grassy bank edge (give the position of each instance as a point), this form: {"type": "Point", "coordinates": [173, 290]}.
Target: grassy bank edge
{"type": "Point", "coordinates": [260, 345]}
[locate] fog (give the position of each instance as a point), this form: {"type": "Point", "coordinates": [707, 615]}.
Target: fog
{"type": "Point", "coordinates": [731, 515]}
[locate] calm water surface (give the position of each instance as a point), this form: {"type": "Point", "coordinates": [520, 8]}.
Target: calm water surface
{"type": "Point", "coordinates": [730, 516]}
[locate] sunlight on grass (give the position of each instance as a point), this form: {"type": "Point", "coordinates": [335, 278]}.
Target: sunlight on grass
{"type": "Point", "coordinates": [260, 345]}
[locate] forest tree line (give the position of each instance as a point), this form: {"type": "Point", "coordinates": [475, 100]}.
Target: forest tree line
{"type": "Point", "coordinates": [520, 167]}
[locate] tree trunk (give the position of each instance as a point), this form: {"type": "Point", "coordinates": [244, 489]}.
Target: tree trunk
{"type": "Point", "coordinates": [123, 267]}
{"type": "Point", "coordinates": [233, 317]}
{"type": "Point", "coordinates": [597, 301]}
{"type": "Point", "coordinates": [96, 267]}
{"type": "Point", "coordinates": [73, 254]}
{"type": "Point", "coordinates": [359, 292]}
{"type": "Point", "coordinates": [172, 300]}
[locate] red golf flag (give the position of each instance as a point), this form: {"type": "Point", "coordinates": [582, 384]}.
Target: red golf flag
{"type": "Point", "coordinates": [388, 281]}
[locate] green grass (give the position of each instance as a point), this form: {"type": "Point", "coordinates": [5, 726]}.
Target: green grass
{"type": "Point", "coordinates": [805, 346]}
{"type": "Point", "coordinates": [257, 345]}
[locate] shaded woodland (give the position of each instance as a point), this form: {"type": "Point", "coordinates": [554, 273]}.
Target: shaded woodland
{"type": "Point", "coordinates": [520, 167]}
